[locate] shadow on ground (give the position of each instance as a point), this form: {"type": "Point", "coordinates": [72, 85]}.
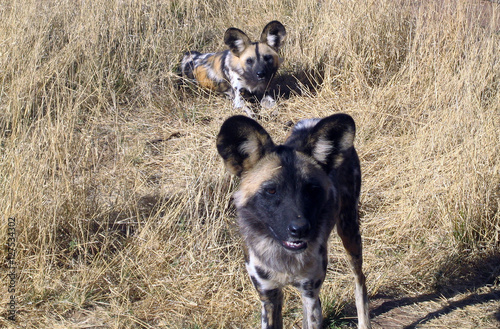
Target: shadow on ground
{"type": "Point", "coordinates": [476, 279]}
{"type": "Point", "coordinates": [459, 281]}
{"type": "Point", "coordinates": [300, 82]}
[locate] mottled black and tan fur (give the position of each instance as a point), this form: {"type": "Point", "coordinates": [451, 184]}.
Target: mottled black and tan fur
{"type": "Point", "coordinates": [290, 198]}
{"type": "Point", "coordinates": [245, 68]}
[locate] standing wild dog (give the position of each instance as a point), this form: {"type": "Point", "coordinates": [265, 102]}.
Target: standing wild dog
{"type": "Point", "coordinates": [245, 68]}
{"type": "Point", "coordinates": [290, 198]}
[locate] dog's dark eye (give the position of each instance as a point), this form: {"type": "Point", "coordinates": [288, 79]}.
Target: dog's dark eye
{"type": "Point", "coordinates": [249, 61]}
{"type": "Point", "coordinates": [270, 190]}
{"type": "Point", "coordinates": [268, 58]}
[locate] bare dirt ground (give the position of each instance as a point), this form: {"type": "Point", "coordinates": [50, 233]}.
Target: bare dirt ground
{"type": "Point", "coordinates": [479, 309]}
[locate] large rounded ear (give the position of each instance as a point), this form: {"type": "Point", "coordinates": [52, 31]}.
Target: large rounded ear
{"type": "Point", "coordinates": [237, 40]}
{"type": "Point", "coordinates": [273, 34]}
{"type": "Point", "coordinates": [331, 140]}
{"type": "Point", "coordinates": [242, 142]}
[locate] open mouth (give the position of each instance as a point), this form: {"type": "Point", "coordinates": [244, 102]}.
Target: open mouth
{"type": "Point", "coordinates": [290, 245]}
{"type": "Point", "coordinates": [294, 245]}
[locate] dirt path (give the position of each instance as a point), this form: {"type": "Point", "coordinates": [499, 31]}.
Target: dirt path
{"type": "Point", "coordinates": [478, 309]}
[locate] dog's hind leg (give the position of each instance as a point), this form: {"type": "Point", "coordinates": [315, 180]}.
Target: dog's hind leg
{"type": "Point", "coordinates": [348, 230]}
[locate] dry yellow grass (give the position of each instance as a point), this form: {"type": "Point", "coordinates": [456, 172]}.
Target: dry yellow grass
{"type": "Point", "coordinates": [123, 206]}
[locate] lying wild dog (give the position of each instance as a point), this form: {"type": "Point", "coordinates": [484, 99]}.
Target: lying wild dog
{"type": "Point", "coordinates": [290, 198]}
{"type": "Point", "coordinates": [245, 68]}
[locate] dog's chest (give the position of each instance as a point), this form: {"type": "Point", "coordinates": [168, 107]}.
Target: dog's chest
{"type": "Point", "coordinates": [267, 278]}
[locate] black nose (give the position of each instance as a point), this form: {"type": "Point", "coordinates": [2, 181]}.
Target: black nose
{"type": "Point", "coordinates": [299, 228]}
{"type": "Point", "coordinates": [261, 74]}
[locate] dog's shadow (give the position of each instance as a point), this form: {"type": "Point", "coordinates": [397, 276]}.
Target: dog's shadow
{"type": "Point", "coordinates": [456, 276]}
{"type": "Point", "coordinates": [299, 82]}
{"type": "Point", "coordinates": [289, 83]}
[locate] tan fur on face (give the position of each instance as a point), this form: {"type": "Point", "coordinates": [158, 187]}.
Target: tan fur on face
{"type": "Point", "coordinates": [264, 49]}
{"type": "Point", "coordinates": [252, 180]}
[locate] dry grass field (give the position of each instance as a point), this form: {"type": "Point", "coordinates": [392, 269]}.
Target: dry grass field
{"type": "Point", "coordinates": [122, 206]}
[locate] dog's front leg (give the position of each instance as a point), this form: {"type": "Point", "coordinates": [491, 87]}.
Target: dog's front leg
{"type": "Point", "coordinates": [272, 302]}
{"type": "Point", "coordinates": [313, 317]}
{"type": "Point", "coordinates": [239, 103]}
{"type": "Point", "coordinates": [235, 93]}
{"type": "Point", "coordinates": [270, 294]}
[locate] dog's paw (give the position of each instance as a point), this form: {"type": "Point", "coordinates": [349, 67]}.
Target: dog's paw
{"type": "Point", "coordinates": [267, 102]}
